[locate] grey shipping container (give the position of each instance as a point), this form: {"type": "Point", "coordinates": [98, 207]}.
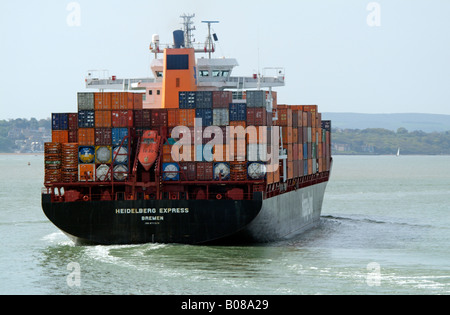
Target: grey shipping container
{"type": "Point", "coordinates": [221, 117]}
{"type": "Point", "coordinates": [85, 101]}
{"type": "Point", "coordinates": [256, 99]}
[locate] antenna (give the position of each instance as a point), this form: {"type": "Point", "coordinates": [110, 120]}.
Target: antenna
{"type": "Point", "coordinates": [209, 41]}
{"type": "Point", "coordinates": [188, 28]}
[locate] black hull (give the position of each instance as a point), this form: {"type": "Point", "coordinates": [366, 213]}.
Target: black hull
{"type": "Point", "coordinates": [188, 221]}
{"type": "Point", "coordinates": [150, 221]}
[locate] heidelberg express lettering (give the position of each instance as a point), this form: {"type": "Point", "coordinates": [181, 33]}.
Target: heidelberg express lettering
{"type": "Point", "coordinates": [152, 211]}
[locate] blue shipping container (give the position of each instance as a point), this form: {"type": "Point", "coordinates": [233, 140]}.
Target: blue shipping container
{"type": "Point", "coordinates": [86, 119]}
{"type": "Point", "coordinates": [117, 136]}
{"type": "Point", "coordinates": [187, 100]}
{"type": "Point", "coordinates": [206, 114]}
{"type": "Point", "coordinates": [305, 151]}
{"type": "Point", "coordinates": [60, 121]}
{"type": "Point", "coordinates": [238, 112]}
{"type": "Point", "coordinates": [204, 99]}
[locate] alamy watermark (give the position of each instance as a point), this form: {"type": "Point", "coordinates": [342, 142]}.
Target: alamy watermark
{"type": "Point", "coordinates": [374, 17]}
{"type": "Point", "coordinates": [74, 17]}
{"type": "Point", "coordinates": [373, 278]}
{"type": "Point", "coordinates": [231, 147]}
{"type": "Point", "coordinates": [74, 277]}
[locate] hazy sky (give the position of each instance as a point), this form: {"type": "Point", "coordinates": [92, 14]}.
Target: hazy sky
{"type": "Point", "coordinates": [386, 56]}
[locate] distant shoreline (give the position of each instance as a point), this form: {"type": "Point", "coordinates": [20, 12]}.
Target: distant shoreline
{"type": "Point", "coordinates": [22, 153]}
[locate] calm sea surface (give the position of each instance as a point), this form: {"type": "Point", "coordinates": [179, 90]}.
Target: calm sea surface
{"type": "Point", "coordinates": [385, 229]}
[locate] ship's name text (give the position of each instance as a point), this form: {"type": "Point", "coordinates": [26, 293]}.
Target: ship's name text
{"type": "Point", "coordinates": [152, 210]}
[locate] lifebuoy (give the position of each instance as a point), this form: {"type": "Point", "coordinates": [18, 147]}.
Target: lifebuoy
{"type": "Point", "coordinates": [85, 198]}
{"type": "Point", "coordinates": [219, 196]}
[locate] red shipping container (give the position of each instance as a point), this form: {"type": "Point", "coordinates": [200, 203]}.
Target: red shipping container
{"type": "Point", "coordinates": [188, 171]}
{"type": "Point", "coordinates": [146, 118]}
{"type": "Point", "coordinates": [122, 118]}
{"type": "Point", "coordinates": [73, 136]}
{"type": "Point", "coordinates": [159, 118]}
{"type": "Point", "coordinates": [222, 99]}
{"type": "Point", "coordinates": [103, 137]}
{"type": "Point", "coordinates": [204, 171]}
{"type": "Point", "coordinates": [256, 117]}
{"type": "Point", "coordinates": [138, 118]}
{"type": "Point", "coordinates": [73, 121]}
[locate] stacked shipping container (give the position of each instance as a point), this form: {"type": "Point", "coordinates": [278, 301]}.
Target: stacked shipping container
{"type": "Point", "coordinates": [104, 120]}
{"type": "Point", "coordinates": [89, 140]}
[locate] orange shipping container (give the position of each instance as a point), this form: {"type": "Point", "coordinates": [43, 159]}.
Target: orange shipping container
{"type": "Point", "coordinates": [276, 176]}
{"type": "Point", "coordinates": [173, 117]}
{"type": "Point", "coordinates": [86, 172]}
{"type": "Point", "coordinates": [300, 152]}
{"type": "Point", "coordinates": [295, 151]}
{"type": "Point", "coordinates": [102, 119]}
{"type": "Point", "coordinates": [60, 136]}
{"type": "Point", "coordinates": [310, 108]}
{"type": "Point", "coordinates": [287, 134]}
{"type": "Point", "coordinates": [102, 101]}
{"type": "Point", "coordinates": [270, 177]}
{"type": "Point", "coordinates": [121, 100]}
{"type": "Point", "coordinates": [86, 136]}
{"type": "Point", "coordinates": [294, 135]}
{"type": "Point", "coordinates": [137, 100]}
{"type": "Point", "coordinates": [284, 116]}
{"type": "Point", "coordinates": [238, 123]}
{"type": "Point", "coordinates": [186, 117]}
{"type": "Point", "coordinates": [305, 119]}
{"type": "Point", "coordinates": [290, 169]}
{"type": "Point", "coordinates": [290, 152]}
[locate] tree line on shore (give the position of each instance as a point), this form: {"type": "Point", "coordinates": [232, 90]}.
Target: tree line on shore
{"type": "Point", "coordinates": [383, 141]}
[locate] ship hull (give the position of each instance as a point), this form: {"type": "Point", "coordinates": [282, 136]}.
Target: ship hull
{"type": "Point", "coordinates": [188, 221]}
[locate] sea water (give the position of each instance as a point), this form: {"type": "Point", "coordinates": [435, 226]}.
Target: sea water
{"type": "Point", "coordinates": [385, 229]}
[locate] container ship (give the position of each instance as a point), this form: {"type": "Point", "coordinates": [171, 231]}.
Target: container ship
{"type": "Point", "coordinates": [193, 155]}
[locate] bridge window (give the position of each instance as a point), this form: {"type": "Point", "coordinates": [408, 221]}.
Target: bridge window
{"type": "Point", "coordinates": [221, 73]}
{"type": "Point", "coordinates": [177, 62]}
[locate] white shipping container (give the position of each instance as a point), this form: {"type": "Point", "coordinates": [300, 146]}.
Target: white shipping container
{"type": "Point", "coordinates": [221, 117]}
